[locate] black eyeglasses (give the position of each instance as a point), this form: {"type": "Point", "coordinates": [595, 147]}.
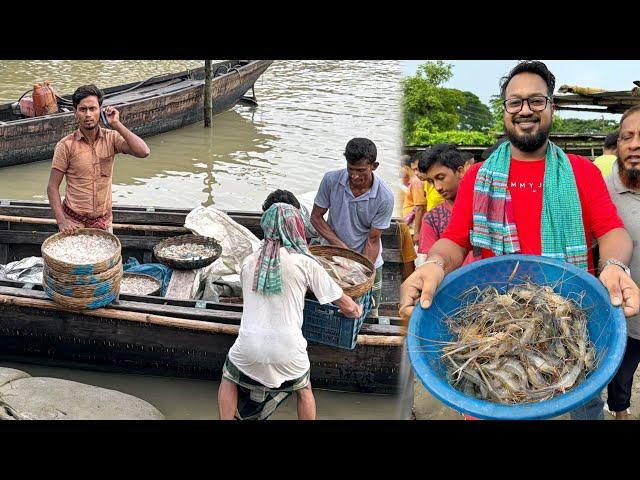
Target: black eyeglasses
{"type": "Point", "coordinates": [536, 103]}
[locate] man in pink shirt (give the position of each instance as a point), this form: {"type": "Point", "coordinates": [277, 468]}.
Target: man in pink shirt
{"type": "Point", "coordinates": [443, 166]}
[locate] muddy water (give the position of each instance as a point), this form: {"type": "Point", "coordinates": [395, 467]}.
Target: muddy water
{"type": "Point", "coordinates": [307, 112]}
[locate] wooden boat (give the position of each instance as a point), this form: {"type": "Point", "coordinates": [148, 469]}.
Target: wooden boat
{"type": "Point", "coordinates": [165, 336]}
{"type": "Point", "coordinates": [160, 104]}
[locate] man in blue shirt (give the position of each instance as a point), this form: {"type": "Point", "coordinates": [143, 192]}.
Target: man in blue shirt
{"type": "Point", "coordinates": [360, 207]}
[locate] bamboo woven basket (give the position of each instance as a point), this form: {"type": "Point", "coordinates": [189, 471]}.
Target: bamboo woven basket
{"type": "Point", "coordinates": [83, 269]}
{"type": "Point", "coordinates": [157, 282]}
{"type": "Point", "coordinates": [188, 264]}
{"type": "Point", "coordinates": [69, 279]}
{"type": "Point", "coordinates": [328, 251]}
{"type": "Point", "coordinates": [93, 290]}
{"type": "Point", "coordinates": [83, 303]}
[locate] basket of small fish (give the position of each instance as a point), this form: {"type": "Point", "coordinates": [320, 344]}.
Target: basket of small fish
{"type": "Point", "coordinates": [353, 272]}
{"type": "Point", "coordinates": [139, 284]}
{"type": "Point", "coordinates": [187, 252]}
{"type": "Point", "coordinates": [517, 337]}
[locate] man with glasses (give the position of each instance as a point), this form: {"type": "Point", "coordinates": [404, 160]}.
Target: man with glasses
{"type": "Point", "coordinates": [530, 197]}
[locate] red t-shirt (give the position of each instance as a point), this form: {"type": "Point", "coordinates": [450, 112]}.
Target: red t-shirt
{"type": "Point", "coordinates": [599, 214]}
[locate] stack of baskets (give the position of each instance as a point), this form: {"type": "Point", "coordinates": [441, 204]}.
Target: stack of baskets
{"type": "Point", "coordinates": [82, 286]}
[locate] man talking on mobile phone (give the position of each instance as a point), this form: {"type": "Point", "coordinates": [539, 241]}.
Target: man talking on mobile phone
{"type": "Point", "coordinates": [85, 158]}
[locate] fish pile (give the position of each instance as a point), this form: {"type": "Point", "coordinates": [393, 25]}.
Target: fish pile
{"type": "Point", "coordinates": [528, 344]}
{"type": "Point", "coordinates": [187, 251]}
{"type": "Point", "coordinates": [137, 285]}
{"type": "Point", "coordinates": [346, 272]}
{"type": "Point", "coordinates": [81, 249]}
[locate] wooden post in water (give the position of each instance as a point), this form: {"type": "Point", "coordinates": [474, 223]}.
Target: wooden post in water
{"type": "Point", "coordinates": [207, 93]}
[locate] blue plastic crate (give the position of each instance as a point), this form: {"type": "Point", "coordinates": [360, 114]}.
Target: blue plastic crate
{"type": "Point", "coordinates": [325, 324]}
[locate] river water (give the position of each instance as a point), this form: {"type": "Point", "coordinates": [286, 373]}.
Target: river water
{"type": "Point", "coordinates": [307, 112]}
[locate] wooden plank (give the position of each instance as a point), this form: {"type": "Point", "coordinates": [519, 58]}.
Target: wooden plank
{"type": "Point", "coordinates": [116, 226]}
{"type": "Point", "coordinates": [189, 313]}
{"type": "Point", "coordinates": [182, 284]}
{"type": "Point", "coordinates": [159, 216]}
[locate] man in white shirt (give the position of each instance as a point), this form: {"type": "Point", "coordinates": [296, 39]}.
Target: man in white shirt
{"type": "Point", "coordinates": [269, 359]}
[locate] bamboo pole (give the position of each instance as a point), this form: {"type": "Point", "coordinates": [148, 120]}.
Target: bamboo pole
{"type": "Point", "coordinates": [116, 226]}
{"type": "Point", "coordinates": [207, 93]}
{"type": "Point", "coordinates": [164, 321]}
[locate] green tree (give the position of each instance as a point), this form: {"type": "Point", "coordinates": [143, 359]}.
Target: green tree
{"type": "Point", "coordinates": [581, 125]}
{"type": "Point", "coordinates": [496, 113]}
{"type": "Point", "coordinates": [474, 115]}
{"type": "Point", "coordinates": [427, 105]}
{"type": "Point", "coordinates": [423, 137]}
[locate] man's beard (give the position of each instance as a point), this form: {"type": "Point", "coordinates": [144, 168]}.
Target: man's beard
{"type": "Point", "coordinates": [528, 142]}
{"type": "Point", "coordinates": [630, 177]}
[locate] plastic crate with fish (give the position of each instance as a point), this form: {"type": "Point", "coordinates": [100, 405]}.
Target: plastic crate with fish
{"type": "Point", "coordinates": [475, 355]}
{"type": "Point", "coordinates": [325, 324]}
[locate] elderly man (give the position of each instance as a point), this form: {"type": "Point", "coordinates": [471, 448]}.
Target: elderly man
{"type": "Point", "coordinates": [624, 187]}
{"type": "Point", "coordinates": [360, 207]}
{"type": "Point", "coordinates": [85, 158]}
{"type": "Point", "coordinates": [530, 197]}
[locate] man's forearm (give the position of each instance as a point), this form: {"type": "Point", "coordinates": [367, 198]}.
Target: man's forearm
{"type": "Point", "coordinates": [324, 229]}
{"type": "Point", "coordinates": [616, 244]}
{"type": "Point", "coordinates": [56, 203]}
{"type": "Point", "coordinates": [137, 146]}
{"type": "Point", "coordinates": [372, 249]}
{"type": "Point", "coordinates": [417, 222]}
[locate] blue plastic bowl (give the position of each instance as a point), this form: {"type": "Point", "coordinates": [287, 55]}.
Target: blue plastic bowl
{"type": "Point", "coordinates": [606, 324]}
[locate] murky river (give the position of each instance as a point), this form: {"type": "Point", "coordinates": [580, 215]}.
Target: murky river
{"type": "Point", "coordinates": [308, 111]}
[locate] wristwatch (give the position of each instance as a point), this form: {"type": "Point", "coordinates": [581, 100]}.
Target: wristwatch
{"type": "Point", "coordinates": [614, 261]}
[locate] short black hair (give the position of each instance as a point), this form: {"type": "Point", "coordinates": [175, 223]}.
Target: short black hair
{"type": "Point", "coordinates": [359, 149]}
{"type": "Point", "coordinates": [280, 196]}
{"type": "Point", "coordinates": [529, 66]}
{"type": "Point", "coordinates": [86, 91]}
{"type": "Point", "coordinates": [407, 160]}
{"type": "Point", "coordinates": [488, 151]}
{"type": "Point", "coordinates": [444, 154]}
{"type": "Point", "coordinates": [466, 155]}
{"type": "Point", "coordinates": [611, 140]}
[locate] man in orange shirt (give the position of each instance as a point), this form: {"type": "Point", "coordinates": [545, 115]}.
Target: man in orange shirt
{"type": "Point", "coordinates": [85, 158]}
{"type": "Point", "coordinates": [415, 202]}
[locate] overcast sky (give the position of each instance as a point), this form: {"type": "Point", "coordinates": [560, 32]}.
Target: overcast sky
{"type": "Point", "coordinates": [482, 76]}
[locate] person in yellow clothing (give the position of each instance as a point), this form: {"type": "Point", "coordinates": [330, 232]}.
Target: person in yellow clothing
{"type": "Point", "coordinates": [407, 248]}
{"type": "Point", "coordinates": [415, 202]}
{"type": "Point", "coordinates": [433, 197]}
{"type": "Point", "coordinates": [605, 161]}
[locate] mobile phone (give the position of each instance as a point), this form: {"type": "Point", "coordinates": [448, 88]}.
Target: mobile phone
{"type": "Point", "coordinates": [103, 117]}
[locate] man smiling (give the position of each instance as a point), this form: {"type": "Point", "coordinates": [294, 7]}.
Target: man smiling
{"type": "Point", "coordinates": [530, 197]}
{"type": "Point", "coordinates": [360, 207]}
